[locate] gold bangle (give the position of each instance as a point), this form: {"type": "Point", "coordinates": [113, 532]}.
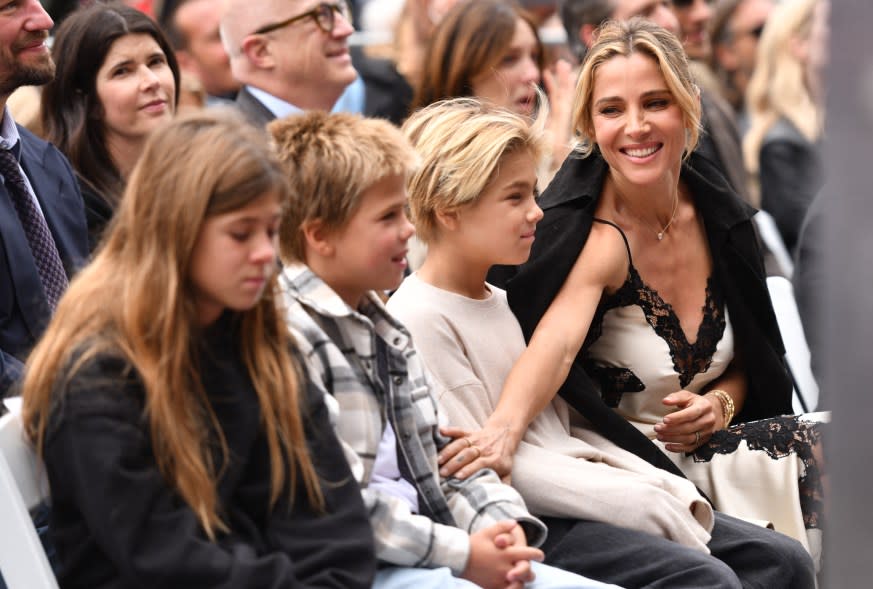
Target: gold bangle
{"type": "Point", "coordinates": [727, 405]}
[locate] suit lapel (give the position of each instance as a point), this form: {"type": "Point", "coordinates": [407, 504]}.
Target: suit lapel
{"type": "Point", "coordinates": [29, 292]}
{"type": "Point", "coordinates": [253, 109]}
{"type": "Point", "coordinates": [57, 199]}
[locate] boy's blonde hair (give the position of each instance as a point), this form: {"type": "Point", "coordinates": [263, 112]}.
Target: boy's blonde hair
{"type": "Point", "coordinates": [461, 143]}
{"type": "Point", "coordinates": [330, 160]}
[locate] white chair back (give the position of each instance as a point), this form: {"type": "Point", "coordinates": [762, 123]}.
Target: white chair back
{"type": "Point", "coordinates": [22, 559]}
{"type": "Point", "coordinates": [771, 237]}
{"type": "Point", "coordinates": [796, 349]}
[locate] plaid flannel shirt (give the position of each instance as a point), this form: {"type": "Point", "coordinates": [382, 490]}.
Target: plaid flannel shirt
{"type": "Point", "coordinates": [339, 347]}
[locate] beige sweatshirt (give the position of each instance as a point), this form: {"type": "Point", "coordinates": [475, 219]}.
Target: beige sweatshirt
{"type": "Point", "coordinates": [561, 468]}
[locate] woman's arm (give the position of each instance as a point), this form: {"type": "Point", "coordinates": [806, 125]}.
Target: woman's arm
{"type": "Point", "coordinates": [544, 365]}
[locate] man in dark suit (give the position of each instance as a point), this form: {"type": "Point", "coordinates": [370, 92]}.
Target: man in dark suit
{"type": "Point", "coordinates": [291, 56]}
{"type": "Point", "coordinates": [43, 235]}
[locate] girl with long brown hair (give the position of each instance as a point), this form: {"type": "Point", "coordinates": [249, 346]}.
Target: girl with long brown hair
{"type": "Point", "coordinates": [183, 447]}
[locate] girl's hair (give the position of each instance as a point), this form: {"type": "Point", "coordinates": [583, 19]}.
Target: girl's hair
{"type": "Point", "coordinates": [461, 143]}
{"type": "Point", "coordinates": [136, 300]}
{"type": "Point", "coordinates": [636, 35]}
{"type": "Point", "coordinates": [469, 42]}
{"type": "Point", "coordinates": [71, 113]}
{"type": "Point", "coordinates": [779, 87]}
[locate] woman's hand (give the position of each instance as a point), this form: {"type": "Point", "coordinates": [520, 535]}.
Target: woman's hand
{"type": "Point", "coordinates": [696, 418]}
{"type": "Point", "coordinates": [490, 447]}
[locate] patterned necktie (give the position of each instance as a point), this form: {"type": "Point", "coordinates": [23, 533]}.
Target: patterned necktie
{"type": "Point", "coordinates": [42, 244]}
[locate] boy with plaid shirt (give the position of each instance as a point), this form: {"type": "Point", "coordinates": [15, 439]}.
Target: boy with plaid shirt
{"type": "Point", "coordinates": [343, 239]}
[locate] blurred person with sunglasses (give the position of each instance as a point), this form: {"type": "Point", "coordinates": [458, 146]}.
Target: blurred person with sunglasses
{"type": "Point", "coordinates": [694, 17]}
{"type": "Point", "coordinates": [735, 31]}
{"type": "Point", "coordinates": [289, 56]}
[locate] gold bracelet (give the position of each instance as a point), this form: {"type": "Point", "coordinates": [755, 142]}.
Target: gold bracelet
{"type": "Point", "coordinates": [727, 405]}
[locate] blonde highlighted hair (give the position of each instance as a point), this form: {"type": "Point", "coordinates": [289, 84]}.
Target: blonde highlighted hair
{"type": "Point", "coordinates": [625, 38]}
{"type": "Point", "coordinates": [135, 300]}
{"type": "Point", "coordinates": [779, 88]}
{"type": "Point", "coordinates": [330, 160]}
{"type": "Point", "coordinates": [461, 143]}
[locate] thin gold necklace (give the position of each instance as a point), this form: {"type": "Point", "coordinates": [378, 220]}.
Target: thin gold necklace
{"type": "Point", "coordinates": [659, 234]}
{"type": "Point", "coordinates": [672, 217]}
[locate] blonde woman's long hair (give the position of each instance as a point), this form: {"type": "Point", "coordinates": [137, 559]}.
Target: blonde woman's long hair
{"type": "Point", "coordinates": [779, 87]}
{"type": "Point", "coordinates": [135, 300]}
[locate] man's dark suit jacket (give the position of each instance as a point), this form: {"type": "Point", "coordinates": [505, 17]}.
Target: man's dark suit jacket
{"type": "Point", "coordinates": [253, 109]}
{"type": "Point", "coordinates": [24, 310]}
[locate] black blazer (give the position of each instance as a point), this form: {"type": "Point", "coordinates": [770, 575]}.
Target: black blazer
{"type": "Point", "coordinates": [569, 203]}
{"type": "Point", "coordinates": [24, 310]}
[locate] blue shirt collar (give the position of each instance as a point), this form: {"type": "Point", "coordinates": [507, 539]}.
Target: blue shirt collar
{"type": "Point", "coordinates": [9, 137]}
{"type": "Point", "coordinates": [277, 106]}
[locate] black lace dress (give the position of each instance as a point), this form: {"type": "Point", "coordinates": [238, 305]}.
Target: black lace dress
{"type": "Point", "coordinates": [762, 470]}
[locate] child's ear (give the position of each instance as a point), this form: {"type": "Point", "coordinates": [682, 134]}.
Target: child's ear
{"type": "Point", "coordinates": [447, 219]}
{"type": "Point", "coordinates": [317, 237]}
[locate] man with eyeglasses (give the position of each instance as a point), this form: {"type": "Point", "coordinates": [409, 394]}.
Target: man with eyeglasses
{"type": "Point", "coordinates": [290, 55]}
{"type": "Point", "coordinates": [736, 28]}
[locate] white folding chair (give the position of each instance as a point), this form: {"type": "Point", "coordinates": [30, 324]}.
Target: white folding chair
{"type": "Point", "coordinates": [22, 559]}
{"type": "Point", "coordinates": [796, 349]}
{"type": "Point", "coordinates": [771, 237]}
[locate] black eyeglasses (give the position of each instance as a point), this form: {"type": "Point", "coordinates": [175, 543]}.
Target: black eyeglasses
{"type": "Point", "coordinates": [324, 16]}
{"type": "Point", "coordinates": [687, 3]}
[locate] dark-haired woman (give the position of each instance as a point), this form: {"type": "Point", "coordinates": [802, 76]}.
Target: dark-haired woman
{"type": "Point", "coordinates": [116, 81]}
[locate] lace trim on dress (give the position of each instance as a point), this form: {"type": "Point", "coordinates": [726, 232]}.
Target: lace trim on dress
{"type": "Point", "coordinates": [688, 359]}
{"type": "Point", "coordinates": [779, 437]}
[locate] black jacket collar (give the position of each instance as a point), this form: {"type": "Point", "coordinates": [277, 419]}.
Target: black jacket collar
{"type": "Point", "coordinates": [580, 180]}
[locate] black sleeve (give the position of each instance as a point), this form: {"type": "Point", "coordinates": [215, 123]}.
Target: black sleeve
{"type": "Point", "coordinates": [334, 548]}
{"type": "Point", "coordinates": [134, 529]}
{"type": "Point", "coordinates": [790, 179]}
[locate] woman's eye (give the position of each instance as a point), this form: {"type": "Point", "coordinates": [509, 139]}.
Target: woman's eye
{"type": "Point", "coordinates": [509, 58]}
